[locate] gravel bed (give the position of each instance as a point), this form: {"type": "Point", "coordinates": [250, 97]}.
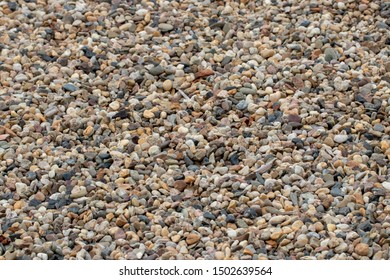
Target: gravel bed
{"type": "Point", "coordinates": [194, 129]}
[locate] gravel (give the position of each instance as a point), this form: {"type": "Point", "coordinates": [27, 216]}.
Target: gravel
{"type": "Point", "coordinates": [194, 130]}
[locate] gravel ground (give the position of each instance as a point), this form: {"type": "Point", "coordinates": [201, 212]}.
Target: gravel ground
{"type": "Point", "coordinates": [194, 129]}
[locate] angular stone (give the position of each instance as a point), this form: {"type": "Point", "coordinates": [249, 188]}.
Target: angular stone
{"type": "Point", "coordinates": [78, 191]}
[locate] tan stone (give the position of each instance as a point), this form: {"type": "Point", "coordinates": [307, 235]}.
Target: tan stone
{"type": "Point", "coordinates": [267, 53]}
{"type": "Point", "coordinates": [192, 238]}
{"type": "Point", "coordinates": [167, 85]}
{"type": "Point", "coordinates": [297, 225]}
{"type": "Point", "coordinates": [148, 114]}
{"type": "Point", "coordinates": [219, 255]}
{"type": "Point", "coordinates": [19, 204]}
{"type": "Point", "coordinates": [362, 249]}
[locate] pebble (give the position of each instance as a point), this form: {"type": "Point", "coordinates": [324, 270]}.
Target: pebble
{"type": "Point", "coordinates": [340, 138]}
{"type": "Point", "coordinates": [330, 54]}
{"type": "Point", "coordinates": [165, 27]}
{"type": "Point", "coordinates": [21, 78]}
{"type": "Point", "coordinates": [192, 238]}
{"type": "Point", "coordinates": [148, 114]}
{"type": "Point", "coordinates": [78, 191]}
{"type": "Point", "coordinates": [362, 249]}
{"type": "Point", "coordinates": [69, 87]}
{"type": "Point", "coordinates": [154, 150]}
{"type": "Point", "coordinates": [267, 53]}
{"type": "Point", "coordinates": [277, 220]}
{"type": "Point", "coordinates": [167, 85]}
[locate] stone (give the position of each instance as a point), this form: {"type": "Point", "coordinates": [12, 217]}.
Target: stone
{"type": "Point", "coordinates": [340, 138]}
{"type": "Point", "coordinates": [69, 87]}
{"type": "Point", "coordinates": [157, 70]}
{"type": "Point", "coordinates": [88, 131]}
{"type": "Point", "coordinates": [362, 249]}
{"type": "Point", "coordinates": [277, 220]}
{"type": "Point", "coordinates": [21, 78]}
{"type": "Point", "coordinates": [331, 54]}
{"type": "Point", "coordinates": [297, 225]}
{"type": "Point", "coordinates": [115, 105]}
{"type": "Point", "coordinates": [78, 191]}
{"type": "Point", "coordinates": [148, 114]}
{"type": "Point", "coordinates": [386, 185]}
{"type": "Point", "coordinates": [267, 53]}
{"type": "Point", "coordinates": [167, 85]}
{"type": "Point", "coordinates": [192, 238]}
{"type": "Point", "coordinates": [165, 27]}
{"type": "Point", "coordinates": [154, 150]}
{"type": "Point", "coordinates": [219, 255]}
{"type": "Point", "coordinates": [119, 234]}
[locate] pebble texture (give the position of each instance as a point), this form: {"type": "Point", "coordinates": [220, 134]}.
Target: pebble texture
{"type": "Point", "coordinates": [194, 129]}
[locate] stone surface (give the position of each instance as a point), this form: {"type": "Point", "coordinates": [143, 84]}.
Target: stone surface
{"type": "Point", "coordinates": [240, 130]}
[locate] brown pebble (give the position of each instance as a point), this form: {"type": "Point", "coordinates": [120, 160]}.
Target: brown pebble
{"type": "Point", "coordinates": [362, 249]}
{"type": "Point", "coordinates": [192, 238]}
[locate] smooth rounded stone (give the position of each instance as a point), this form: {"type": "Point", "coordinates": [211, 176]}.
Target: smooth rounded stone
{"type": "Point", "coordinates": [342, 247]}
{"type": "Point", "coordinates": [115, 105]}
{"type": "Point", "coordinates": [192, 238]}
{"type": "Point", "coordinates": [154, 150]}
{"type": "Point", "coordinates": [340, 138]}
{"type": "Point", "coordinates": [336, 191]}
{"type": "Point", "coordinates": [246, 91]}
{"type": "Point", "coordinates": [242, 105]}
{"type": "Point", "coordinates": [157, 70]}
{"type": "Point", "coordinates": [277, 220]}
{"type": "Point", "coordinates": [379, 127]}
{"type": "Point", "coordinates": [274, 97]}
{"type": "Point", "coordinates": [297, 225]}
{"type": "Point", "coordinates": [165, 27]}
{"type": "Point", "coordinates": [78, 191]}
{"type": "Point", "coordinates": [119, 234]}
{"type": "Point", "coordinates": [302, 241]}
{"type": "Point", "coordinates": [340, 84]}
{"type": "Point", "coordinates": [167, 85]}
{"type": "Point", "coordinates": [219, 255]}
{"type": "Point", "coordinates": [386, 185]}
{"type": "Point", "coordinates": [104, 156]}
{"type": "Point", "coordinates": [50, 112]}
{"type": "Point", "coordinates": [362, 249]}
